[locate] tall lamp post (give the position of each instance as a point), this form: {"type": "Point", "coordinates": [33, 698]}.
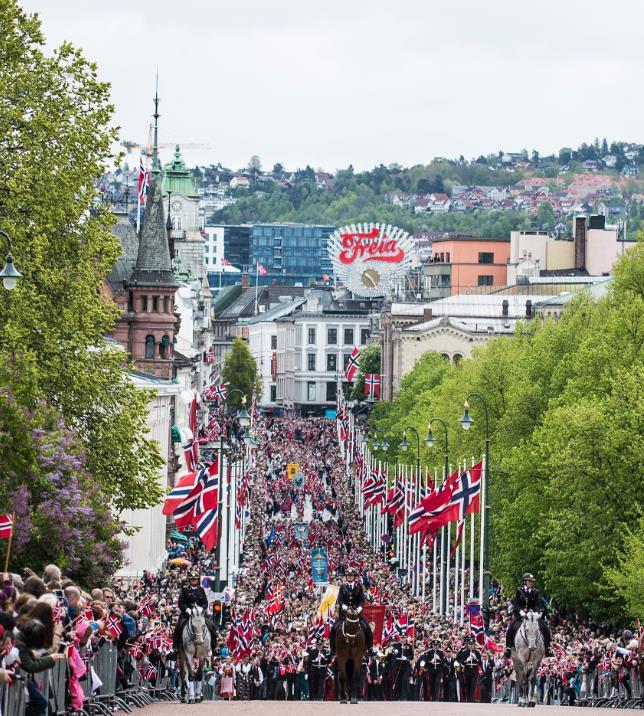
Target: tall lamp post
{"type": "Point", "coordinates": [404, 446]}
{"type": "Point", "coordinates": [430, 440]}
{"type": "Point", "coordinates": [9, 274]}
{"type": "Point", "coordinates": [467, 421]}
{"type": "Point", "coordinates": [221, 445]}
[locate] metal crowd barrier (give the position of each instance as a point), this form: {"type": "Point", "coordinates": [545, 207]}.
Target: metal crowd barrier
{"type": "Point", "coordinates": [12, 698]}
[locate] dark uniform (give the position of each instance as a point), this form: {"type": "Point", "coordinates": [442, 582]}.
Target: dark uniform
{"type": "Point", "coordinates": [449, 678]}
{"type": "Point", "coordinates": [429, 667]}
{"type": "Point", "coordinates": [375, 679]}
{"type": "Point", "coordinates": [470, 660]}
{"type": "Point", "coordinates": [527, 599]}
{"type": "Point", "coordinates": [318, 664]}
{"type": "Point", "coordinates": [189, 597]}
{"type": "Point", "coordinates": [351, 596]}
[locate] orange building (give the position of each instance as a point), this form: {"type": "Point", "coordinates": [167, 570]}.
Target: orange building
{"type": "Point", "coordinates": [463, 262]}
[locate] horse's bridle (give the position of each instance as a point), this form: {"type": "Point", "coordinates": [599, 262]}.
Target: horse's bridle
{"type": "Point", "coordinates": [350, 637]}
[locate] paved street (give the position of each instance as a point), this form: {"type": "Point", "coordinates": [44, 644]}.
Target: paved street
{"type": "Point", "coordinates": [372, 708]}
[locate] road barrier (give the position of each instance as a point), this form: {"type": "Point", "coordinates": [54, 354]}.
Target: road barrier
{"type": "Point", "coordinates": [112, 683]}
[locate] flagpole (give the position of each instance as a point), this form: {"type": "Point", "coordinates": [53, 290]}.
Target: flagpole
{"type": "Point", "coordinates": [9, 541]}
{"type": "Point", "coordinates": [483, 535]}
{"type": "Point", "coordinates": [434, 556]}
{"type": "Point", "coordinates": [456, 559]}
{"type": "Point", "coordinates": [138, 210]}
{"type": "Point", "coordinates": [472, 539]}
{"type": "Point", "coordinates": [463, 551]}
{"type": "Point", "coordinates": [441, 591]}
{"type": "Point", "coordinates": [256, 286]}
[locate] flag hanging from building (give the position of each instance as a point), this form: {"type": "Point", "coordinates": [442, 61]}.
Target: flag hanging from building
{"type": "Point", "coordinates": [144, 182]}
{"type": "Point", "coordinates": [216, 392]}
{"type": "Point", "coordinates": [6, 526]}
{"type": "Point", "coordinates": [372, 385]}
{"type": "Point", "coordinates": [226, 262]}
{"type": "Point", "coordinates": [351, 368]}
{"type": "Point", "coordinates": [261, 270]}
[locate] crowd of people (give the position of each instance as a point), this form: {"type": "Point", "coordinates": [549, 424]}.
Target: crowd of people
{"type": "Point", "coordinates": [274, 644]}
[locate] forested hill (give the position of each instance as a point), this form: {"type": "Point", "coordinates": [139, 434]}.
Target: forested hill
{"type": "Point", "coordinates": [311, 196]}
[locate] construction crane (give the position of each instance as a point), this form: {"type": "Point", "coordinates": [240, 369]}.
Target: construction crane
{"type": "Point", "coordinates": [131, 146]}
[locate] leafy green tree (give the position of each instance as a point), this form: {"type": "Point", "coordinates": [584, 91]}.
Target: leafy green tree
{"type": "Point", "coordinates": [239, 371]}
{"type": "Point", "coordinates": [545, 218]}
{"type": "Point", "coordinates": [55, 139]}
{"type": "Point", "coordinates": [254, 164]}
{"type": "Point", "coordinates": [626, 578]}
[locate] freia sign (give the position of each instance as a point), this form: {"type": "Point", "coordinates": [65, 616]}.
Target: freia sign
{"type": "Point", "coordinates": [369, 259]}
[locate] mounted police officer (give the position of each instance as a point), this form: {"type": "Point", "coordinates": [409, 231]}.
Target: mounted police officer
{"type": "Point", "coordinates": [351, 596]}
{"type": "Point", "coordinates": [192, 594]}
{"type": "Point", "coordinates": [527, 599]}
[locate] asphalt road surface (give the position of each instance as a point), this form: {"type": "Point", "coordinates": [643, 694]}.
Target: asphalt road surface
{"type": "Point", "coordinates": [365, 708]}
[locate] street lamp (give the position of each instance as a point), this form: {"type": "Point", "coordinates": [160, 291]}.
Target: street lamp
{"type": "Point", "coordinates": [467, 421]}
{"type": "Point", "coordinates": [9, 273]}
{"type": "Point", "coordinates": [430, 440]}
{"type": "Point", "coordinates": [404, 446]}
{"type": "Point", "coordinates": [242, 415]}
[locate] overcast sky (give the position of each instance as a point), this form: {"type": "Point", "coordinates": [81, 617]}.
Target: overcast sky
{"type": "Point", "coordinates": [363, 81]}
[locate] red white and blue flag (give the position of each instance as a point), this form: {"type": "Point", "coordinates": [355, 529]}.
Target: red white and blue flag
{"type": "Point", "coordinates": [372, 385]}
{"type": "Point", "coordinates": [261, 270]}
{"type": "Point", "coordinates": [6, 526]}
{"type": "Point", "coordinates": [144, 182]}
{"type": "Point", "coordinates": [351, 368]}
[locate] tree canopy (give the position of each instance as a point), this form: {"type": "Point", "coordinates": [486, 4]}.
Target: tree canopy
{"type": "Point", "coordinates": [56, 135]}
{"type": "Point", "coordinates": [239, 372]}
{"type": "Point", "coordinates": [567, 459]}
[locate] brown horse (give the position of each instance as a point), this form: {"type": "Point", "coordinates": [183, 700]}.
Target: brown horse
{"type": "Point", "coordinates": [350, 646]}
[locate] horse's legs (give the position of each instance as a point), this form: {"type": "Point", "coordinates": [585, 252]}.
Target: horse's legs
{"type": "Point", "coordinates": [199, 682]}
{"type": "Point", "coordinates": [355, 683]}
{"type": "Point", "coordinates": [342, 681]}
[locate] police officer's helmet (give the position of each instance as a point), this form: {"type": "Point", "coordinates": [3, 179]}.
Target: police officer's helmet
{"type": "Point", "coordinates": [528, 576]}
{"type": "Point", "coordinates": [435, 642]}
{"type": "Point", "coordinates": [193, 575]}
{"type": "Point", "coordinates": [350, 571]}
{"type": "Point", "coordinates": [468, 640]}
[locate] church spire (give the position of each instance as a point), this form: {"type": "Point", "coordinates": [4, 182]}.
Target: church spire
{"type": "Point", "coordinates": [156, 163]}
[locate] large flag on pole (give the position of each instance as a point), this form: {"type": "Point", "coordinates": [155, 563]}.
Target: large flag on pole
{"type": "Point", "coordinates": [351, 368]}
{"type": "Point", "coordinates": [6, 526]}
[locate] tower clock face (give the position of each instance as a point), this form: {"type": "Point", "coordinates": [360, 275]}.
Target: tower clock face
{"type": "Point", "coordinates": [176, 205]}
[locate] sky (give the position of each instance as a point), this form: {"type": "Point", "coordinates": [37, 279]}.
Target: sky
{"type": "Point", "coordinates": [362, 82]}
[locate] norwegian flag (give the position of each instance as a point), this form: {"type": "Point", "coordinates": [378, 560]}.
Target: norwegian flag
{"type": "Point", "coordinates": [226, 262]}
{"type": "Point", "coordinates": [89, 614]}
{"type": "Point", "coordinates": [431, 510]}
{"type": "Point", "coordinates": [136, 650]}
{"type": "Point", "coordinates": [316, 631]}
{"type": "Point", "coordinates": [351, 368]}
{"type": "Point", "coordinates": [261, 270]}
{"type": "Point", "coordinates": [389, 630]}
{"type": "Point", "coordinates": [465, 498]}
{"type": "Point", "coordinates": [377, 493]}
{"type": "Point", "coordinates": [148, 672]}
{"type": "Point", "coordinates": [395, 502]}
{"type": "Point", "coordinates": [6, 526]}
{"type": "Point", "coordinates": [113, 626]}
{"type": "Point", "coordinates": [208, 489]}
{"type": "Point", "coordinates": [477, 629]}
{"type": "Point", "coordinates": [144, 182]}
{"type": "Point", "coordinates": [206, 528]}
{"type": "Point", "coordinates": [238, 514]}
{"type": "Point", "coordinates": [220, 392]}
{"type": "Point", "coordinates": [372, 385]}
{"type": "Point", "coordinates": [404, 626]}
{"type": "Point", "coordinates": [180, 492]}
{"type": "Point", "coordinates": [459, 536]}
{"type": "Point", "coordinates": [147, 606]}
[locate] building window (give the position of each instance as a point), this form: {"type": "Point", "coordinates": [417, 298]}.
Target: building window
{"type": "Point", "coordinates": [364, 336]}
{"type": "Point", "coordinates": [486, 257]}
{"type": "Point", "coordinates": [155, 304]}
{"type": "Point", "coordinates": [273, 343]}
{"type": "Point", "coordinates": [166, 304]}
{"type": "Point", "coordinates": [348, 336]}
{"type": "Point", "coordinates": [331, 362]}
{"type": "Point", "coordinates": [149, 347]}
{"type": "Point", "coordinates": [144, 304]}
{"type": "Point", "coordinates": [486, 280]}
{"type": "Point", "coordinates": [345, 360]}
{"type": "Point", "coordinates": [332, 336]}
{"type": "Point", "coordinates": [311, 336]}
{"type": "Point", "coordinates": [311, 361]}
{"type": "Point", "coordinates": [164, 346]}
{"type": "Point", "coordinates": [273, 393]}
{"type": "Point", "coordinates": [310, 388]}
{"type": "Point", "coordinates": [331, 391]}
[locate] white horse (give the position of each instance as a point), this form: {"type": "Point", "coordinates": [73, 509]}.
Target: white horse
{"type": "Point", "coordinates": [529, 650]}
{"type": "Point", "coordinates": [195, 648]}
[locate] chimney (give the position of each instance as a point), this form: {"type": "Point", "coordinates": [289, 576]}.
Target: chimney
{"type": "Point", "coordinates": [528, 309]}
{"type": "Point", "coordinates": [245, 281]}
{"type": "Point", "coordinates": [427, 314]}
{"type": "Point", "coordinates": [580, 242]}
{"type": "Point", "coordinates": [506, 307]}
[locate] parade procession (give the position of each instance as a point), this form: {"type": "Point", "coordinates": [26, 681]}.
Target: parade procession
{"type": "Point", "coordinates": [319, 438]}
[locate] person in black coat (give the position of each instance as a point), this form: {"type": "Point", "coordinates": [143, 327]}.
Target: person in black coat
{"type": "Point", "coordinates": [449, 676]}
{"type": "Point", "coordinates": [525, 600]}
{"type": "Point", "coordinates": [469, 659]}
{"type": "Point", "coordinates": [487, 668]}
{"type": "Point", "coordinates": [192, 594]}
{"type": "Point", "coordinates": [351, 596]}
{"type": "Point", "coordinates": [317, 667]}
{"type": "Point", "coordinates": [429, 668]}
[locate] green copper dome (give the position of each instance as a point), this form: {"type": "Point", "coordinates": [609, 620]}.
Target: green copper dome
{"type": "Point", "coordinates": [177, 177]}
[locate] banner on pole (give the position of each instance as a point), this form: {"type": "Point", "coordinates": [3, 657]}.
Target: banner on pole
{"type": "Point", "coordinates": [375, 615]}
{"type": "Point", "coordinates": [292, 469]}
{"type": "Point", "coordinates": [319, 566]}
